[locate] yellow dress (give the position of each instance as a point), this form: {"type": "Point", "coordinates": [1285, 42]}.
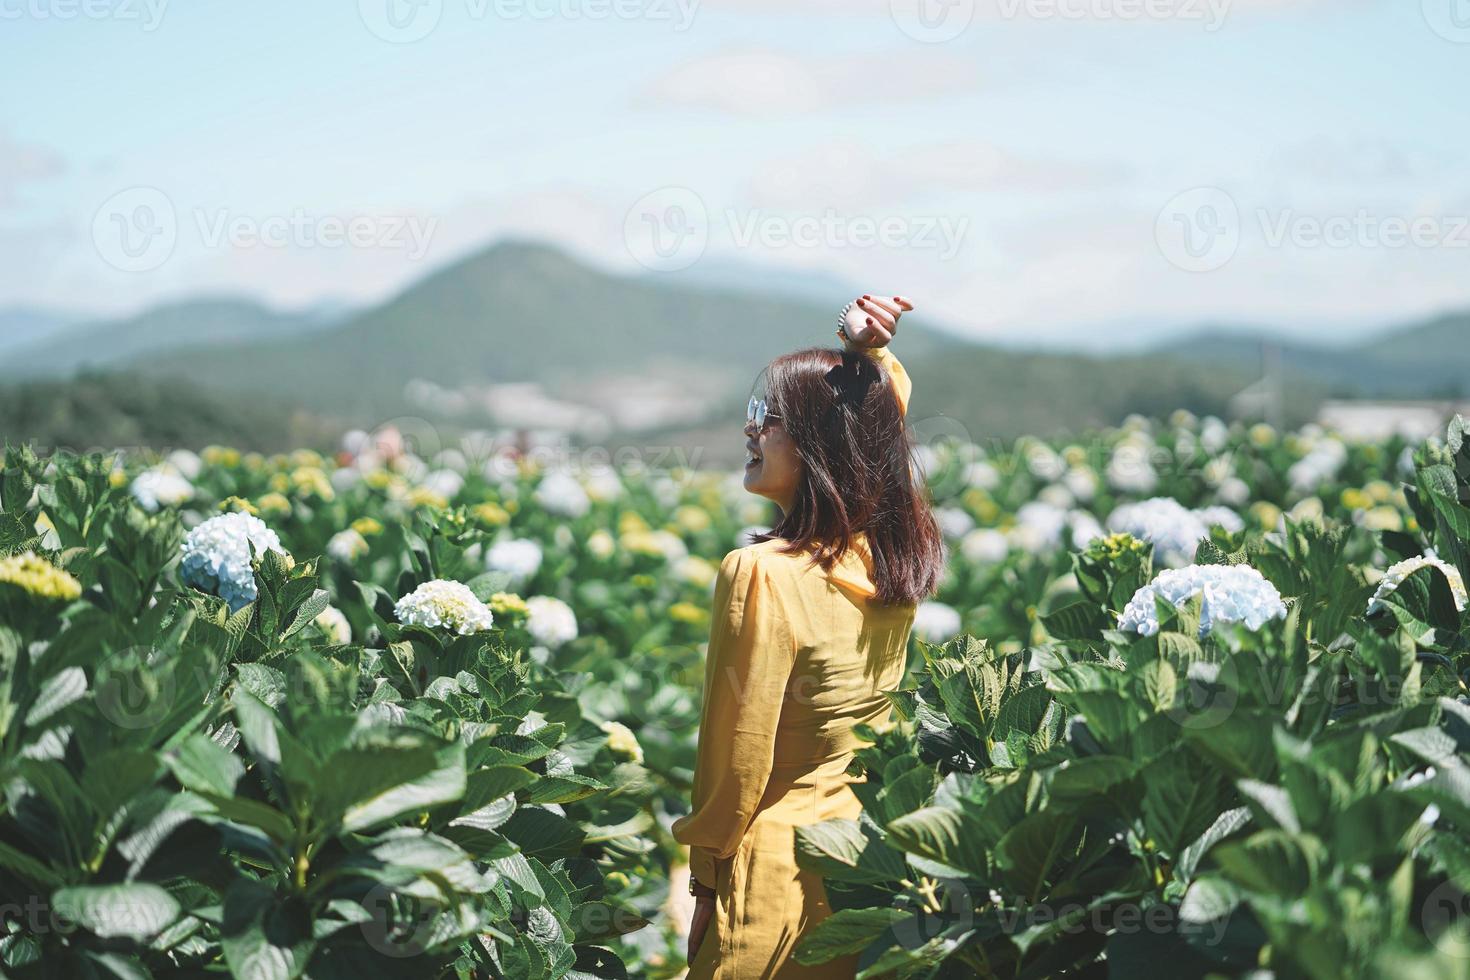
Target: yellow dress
{"type": "Point", "coordinates": [797, 657]}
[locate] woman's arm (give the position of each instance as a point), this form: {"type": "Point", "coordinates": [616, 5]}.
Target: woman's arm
{"type": "Point", "coordinates": [870, 324]}
{"type": "Point", "coordinates": [751, 654]}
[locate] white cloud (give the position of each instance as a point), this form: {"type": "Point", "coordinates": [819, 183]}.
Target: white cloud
{"type": "Point", "coordinates": [753, 82]}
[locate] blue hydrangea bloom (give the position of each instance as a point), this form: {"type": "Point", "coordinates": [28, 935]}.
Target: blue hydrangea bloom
{"type": "Point", "coordinates": [1232, 594]}
{"type": "Point", "coordinates": [215, 556]}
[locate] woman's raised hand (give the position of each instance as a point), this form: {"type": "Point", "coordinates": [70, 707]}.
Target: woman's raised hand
{"type": "Point", "coordinates": [873, 319]}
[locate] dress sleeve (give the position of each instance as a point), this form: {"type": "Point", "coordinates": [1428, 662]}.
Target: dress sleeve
{"type": "Point", "coordinates": [903, 385]}
{"type": "Point", "coordinates": [751, 655]}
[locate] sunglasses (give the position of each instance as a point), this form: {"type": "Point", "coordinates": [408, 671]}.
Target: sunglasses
{"type": "Point", "coordinates": [756, 412]}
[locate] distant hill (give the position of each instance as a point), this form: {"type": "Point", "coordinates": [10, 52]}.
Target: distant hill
{"type": "Point", "coordinates": [23, 326]}
{"type": "Point", "coordinates": [199, 323]}
{"type": "Point", "coordinates": [1424, 360]}
{"type": "Point", "coordinates": [523, 312]}
{"type": "Point", "coordinates": [579, 339]}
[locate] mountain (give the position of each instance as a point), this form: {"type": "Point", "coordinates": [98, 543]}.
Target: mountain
{"type": "Point", "coordinates": [198, 323]}
{"type": "Point", "coordinates": [519, 312]}
{"type": "Point", "coordinates": [1422, 360]}
{"type": "Point", "coordinates": [23, 326]}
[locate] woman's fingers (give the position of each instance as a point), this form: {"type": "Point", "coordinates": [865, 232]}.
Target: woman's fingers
{"type": "Point", "coordinates": [887, 304]}
{"type": "Point", "coordinates": [877, 311]}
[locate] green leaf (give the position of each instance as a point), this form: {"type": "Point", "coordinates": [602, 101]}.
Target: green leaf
{"type": "Point", "coordinates": [264, 938]}
{"type": "Point", "coordinates": [942, 834]}
{"type": "Point", "coordinates": [133, 911]}
{"type": "Point", "coordinates": [443, 783]}
{"type": "Point", "coordinates": [201, 764]}
{"type": "Point", "coordinates": [845, 932]}
{"type": "Point", "coordinates": [1033, 849]}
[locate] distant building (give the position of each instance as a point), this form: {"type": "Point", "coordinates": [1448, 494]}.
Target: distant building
{"type": "Point", "coordinates": [1375, 420]}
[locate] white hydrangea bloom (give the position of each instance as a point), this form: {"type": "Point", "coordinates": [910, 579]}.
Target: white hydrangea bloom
{"type": "Point", "coordinates": [1044, 462]}
{"type": "Point", "coordinates": [550, 621]}
{"type": "Point", "coordinates": [954, 522]}
{"type": "Point", "coordinates": [215, 556]}
{"type": "Point", "coordinates": [983, 475]}
{"type": "Point", "coordinates": [347, 546]}
{"type": "Point", "coordinates": [520, 558]}
{"type": "Point", "coordinates": [1395, 576]}
{"type": "Point", "coordinates": [1043, 527]}
{"type": "Point", "coordinates": [935, 622]}
{"type": "Point", "coordinates": [1234, 491]}
{"type": "Point", "coordinates": [604, 484]}
{"type": "Point", "coordinates": [161, 486]}
{"type": "Point", "coordinates": [561, 495]}
{"type": "Point", "coordinates": [1232, 594]}
{"type": "Point", "coordinates": [1131, 470]}
{"type": "Point", "coordinates": [186, 462]}
{"type": "Point", "coordinates": [444, 483]}
{"type": "Point", "coordinates": [985, 546]}
{"type": "Point", "coordinates": [1057, 495]}
{"type": "Point", "coordinates": [1174, 530]}
{"type": "Point", "coordinates": [1320, 464]}
{"type": "Point", "coordinates": [1214, 435]}
{"type": "Point", "coordinates": [333, 623]}
{"type": "Point", "coordinates": [1081, 483]}
{"type": "Point", "coordinates": [1223, 516]}
{"type": "Point", "coordinates": [443, 603]}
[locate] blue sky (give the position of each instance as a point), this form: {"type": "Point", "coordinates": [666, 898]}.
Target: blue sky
{"type": "Point", "coordinates": [1039, 168]}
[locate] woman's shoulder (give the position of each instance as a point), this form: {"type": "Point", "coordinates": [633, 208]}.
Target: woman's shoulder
{"type": "Point", "coordinates": [764, 555]}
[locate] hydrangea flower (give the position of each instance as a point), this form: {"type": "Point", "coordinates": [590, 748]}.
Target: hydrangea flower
{"type": "Point", "coordinates": [935, 622]}
{"type": "Point", "coordinates": [508, 605]}
{"type": "Point", "coordinates": [33, 574]}
{"type": "Point", "coordinates": [622, 742]}
{"type": "Point", "coordinates": [1040, 527]}
{"type": "Point", "coordinates": [1395, 576]}
{"type": "Point", "coordinates": [1318, 466]}
{"type": "Point", "coordinates": [215, 556]}
{"type": "Point", "coordinates": [159, 487]}
{"type": "Point", "coordinates": [520, 558]}
{"type": "Point", "coordinates": [985, 546]}
{"type": "Point", "coordinates": [560, 494]}
{"type": "Point", "coordinates": [1232, 594]}
{"type": "Point", "coordinates": [954, 522]}
{"type": "Point", "coordinates": [1130, 469]}
{"type": "Point", "coordinates": [347, 546]}
{"type": "Point", "coordinates": [333, 624]}
{"type": "Point", "coordinates": [1174, 530]}
{"type": "Point", "coordinates": [550, 621]}
{"type": "Point", "coordinates": [443, 603]}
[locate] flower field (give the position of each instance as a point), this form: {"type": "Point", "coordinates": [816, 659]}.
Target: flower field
{"type": "Point", "coordinates": [1191, 693]}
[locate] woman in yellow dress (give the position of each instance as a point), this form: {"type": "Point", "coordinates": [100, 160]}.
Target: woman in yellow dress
{"type": "Point", "coordinates": [810, 626]}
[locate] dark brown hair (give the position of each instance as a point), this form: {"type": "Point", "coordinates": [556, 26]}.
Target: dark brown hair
{"type": "Point", "coordinates": [839, 409]}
